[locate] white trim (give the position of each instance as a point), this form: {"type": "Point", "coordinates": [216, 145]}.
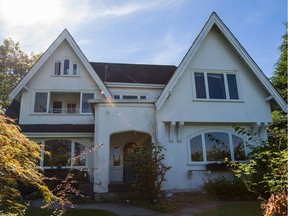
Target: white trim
{"type": "Point", "coordinates": [58, 135]}
{"type": "Point", "coordinates": [134, 85]}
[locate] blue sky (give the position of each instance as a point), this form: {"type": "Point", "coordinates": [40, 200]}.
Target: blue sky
{"type": "Point", "coordinates": [144, 31]}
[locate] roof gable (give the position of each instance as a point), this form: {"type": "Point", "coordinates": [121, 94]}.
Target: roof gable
{"type": "Point", "coordinates": [214, 20]}
{"type": "Point", "coordinates": [65, 35]}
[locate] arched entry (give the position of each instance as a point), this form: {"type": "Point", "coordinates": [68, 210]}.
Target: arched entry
{"type": "Point", "coordinates": [121, 145]}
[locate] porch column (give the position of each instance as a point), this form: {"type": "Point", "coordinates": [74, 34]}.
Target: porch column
{"type": "Point", "coordinates": [101, 155]}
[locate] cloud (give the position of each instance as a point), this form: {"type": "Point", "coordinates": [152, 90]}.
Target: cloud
{"type": "Point", "coordinates": [36, 23]}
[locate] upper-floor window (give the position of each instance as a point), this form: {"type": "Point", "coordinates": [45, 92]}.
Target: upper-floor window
{"type": "Point", "coordinates": [216, 146]}
{"type": "Point", "coordinates": [130, 97]}
{"type": "Point", "coordinates": [65, 67]}
{"type": "Point", "coordinates": [216, 86]}
{"type": "Point", "coordinates": [85, 104]}
{"type": "Point", "coordinates": [40, 105]}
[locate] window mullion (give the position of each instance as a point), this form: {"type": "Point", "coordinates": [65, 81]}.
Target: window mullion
{"type": "Point", "coordinates": [204, 148]}
{"type": "Point", "coordinates": [226, 87]}
{"type": "Point", "coordinates": [206, 85]}
{"type": "Point", "coordinates": [231, 147]}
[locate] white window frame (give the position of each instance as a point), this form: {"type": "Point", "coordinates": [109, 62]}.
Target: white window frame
{"type": "Point", "coordinates": [42, 143]}
{"type": "Point", "coordinates": [34, 100]}
{"type": "Point", "coordinates": [204, 152]}
{"type": "Point", "coordinates": [71, 67]}
{"type": "Point", "coordinates": [225, 73]}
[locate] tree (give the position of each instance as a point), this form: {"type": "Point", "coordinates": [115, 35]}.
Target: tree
{"type": "Point", "coordinates": [148, 169]}
{"type": "Point", "coordinates": [14, 64]}
{"type": "Point", "coordinates": [19, 164]}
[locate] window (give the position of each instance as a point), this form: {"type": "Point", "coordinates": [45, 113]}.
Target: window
{"type": "Point", "coordinates": [221, 86]}
{"type": "Point", "coordinates": [116, 156]}
{"type": "Point", "coordinates": [57, 107]}
{"type": "Point", "coordinates": [40, 105]}
{"type": "Point", "coordinates": [129, 97]}
{"type": "Point", "coordinates": [74, 69]}
{"type": "Point", "coordinates": [216, 146]}
{"type": "Point", "coordinates": [117, 97]}
{"type": "Point", "coordinates": [71, 108]}
{"type": "Point", "coordinates": [57, 69]}
{"type": "Point", "coordinates": [64, 153]}
{"type": "Point", "coordinates": [66, 67]}
{"type": "Point", "coordinates": [85, 104]}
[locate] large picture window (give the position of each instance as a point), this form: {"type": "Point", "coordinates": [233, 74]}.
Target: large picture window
{"type": "Point", "coordinates": [216, 146]}
{"type": "Point", "coordinates": [63, 153]}
{"type": "Point", "coordinates": [221, 86]}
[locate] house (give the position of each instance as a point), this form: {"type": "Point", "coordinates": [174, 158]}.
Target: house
{"type": "Point", "coordinates": [69, 103]}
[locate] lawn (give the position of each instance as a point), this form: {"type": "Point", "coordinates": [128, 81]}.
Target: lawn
{"type": "Point", "coordinates": [239, 209]}
{"type": "Point", "coordinates": [71, 212]}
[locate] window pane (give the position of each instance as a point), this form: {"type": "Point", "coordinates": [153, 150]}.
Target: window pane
{"type": "Point", "coordinates": [142, 97]}
{"type": "Point", "coordinates": [60, 153]}
{"type": "Point", "coordinates": [217, 146]}
{"type": "Point", "coordinates": [238, 145]}
{"type": "Point", "coordinates": [129, 97]}
{"type": "Point", "coordinates": [79, 157]}
{"type": "Point", "coordinates": [57, 68]}
{"type": "Point", "coordinates": [196, 148]}
{"type": "Point", "coordinates": [74, 69]}
{"type": "Point", "coordinates": [117, 97]}
{"type": "Point", "coordinates": [85, 104]}
{"type": "Point", "coordinates": [232, 85]}
{"type": "Point", "coordinates": [116, 156]}
{"type": "Point", "coordinates": [71, 108]}
{"type": "Point", "coordinates": [200, 85]}
{"type": "Point", "coordinates": [66, 67]}
{"type": "Point", "coordinates": [216, 86]}
{"type": "Point", "coordinates": [40, 105]}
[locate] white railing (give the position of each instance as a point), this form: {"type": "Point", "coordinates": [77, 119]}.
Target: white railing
{"type": "Point", "coordinates": [64, 110]}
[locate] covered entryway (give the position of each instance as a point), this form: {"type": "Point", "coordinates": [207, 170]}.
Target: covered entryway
{"type": "Point", "coordinates": [121, 146]}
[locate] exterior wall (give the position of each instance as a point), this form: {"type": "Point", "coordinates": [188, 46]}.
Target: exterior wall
{"type": "Point", "coordinates": [178, 156]}
{"type": "Point", "coordinates": [215, 54]}
{"type": "Point", "coordinates": [44, 80]}
{"type": "Point", "coordinates": [115, 118]}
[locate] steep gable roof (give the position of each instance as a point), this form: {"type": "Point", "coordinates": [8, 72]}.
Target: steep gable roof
{"type": "Point", "coordinates": [65, 35]}
{"type": "Point", "coordinates": [134, 73]}
{"type": "Point", "coordinates": [214, 20]}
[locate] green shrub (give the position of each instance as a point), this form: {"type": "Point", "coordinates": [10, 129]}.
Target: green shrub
{"type": "Point", "coordinates": [224, 188]}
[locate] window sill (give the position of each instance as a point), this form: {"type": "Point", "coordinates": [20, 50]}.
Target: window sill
{"type": "Point", "coordinates": [60, 114]}
{"type": "Point", "coordinates": [72, 76]}
{"type": "Point", "coordinates": [218, 100]}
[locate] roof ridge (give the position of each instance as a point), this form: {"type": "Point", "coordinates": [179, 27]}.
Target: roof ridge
{"type": "Point", "coordinates": [123, 63]}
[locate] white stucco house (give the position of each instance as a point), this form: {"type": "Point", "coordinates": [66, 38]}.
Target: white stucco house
{"type": "Point", "coordinates": [69, 103]}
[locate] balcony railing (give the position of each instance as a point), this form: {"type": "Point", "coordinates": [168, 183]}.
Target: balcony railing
{"type": "Point", "coordinates": [64, 110]}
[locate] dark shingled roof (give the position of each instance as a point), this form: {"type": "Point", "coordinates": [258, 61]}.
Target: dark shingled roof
{"type": "Point", "coordinates": [134, 73]}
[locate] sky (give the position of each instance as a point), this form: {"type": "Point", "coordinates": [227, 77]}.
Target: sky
{"type": "Point", "coordinates": [144, 31]}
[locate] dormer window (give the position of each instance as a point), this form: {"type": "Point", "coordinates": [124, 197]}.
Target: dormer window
{"type": "Point", "coordinates": [66, 67]}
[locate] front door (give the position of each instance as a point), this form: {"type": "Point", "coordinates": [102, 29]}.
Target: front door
{"type": "Point", "coordinates": [127, 151]}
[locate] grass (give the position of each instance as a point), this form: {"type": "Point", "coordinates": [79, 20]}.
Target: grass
{"type": "Point", "coordinates": [239, 209]}
{"type": "Point", "coordinates": [32, 211]}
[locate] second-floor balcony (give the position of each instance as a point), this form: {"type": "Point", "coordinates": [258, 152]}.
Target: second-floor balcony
{"type": "Point", "coordinates": [62, 102]}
